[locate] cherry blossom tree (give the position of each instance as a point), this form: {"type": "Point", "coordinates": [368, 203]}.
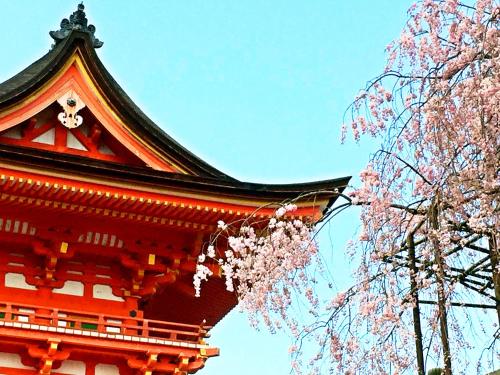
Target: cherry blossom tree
{"type": "Point", "coordinates": [427, 281]}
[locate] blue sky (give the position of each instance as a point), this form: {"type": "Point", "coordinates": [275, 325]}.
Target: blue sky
{"type": "Point", "coordinates": [256, 88]}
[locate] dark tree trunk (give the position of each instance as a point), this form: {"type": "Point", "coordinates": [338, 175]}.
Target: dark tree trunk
{"type": "Point", "coordinates": [495, 259]}
{"type": "Point", "coordinates": [440, 277]}
{"type": "Point", "coordinates": [416, 308]}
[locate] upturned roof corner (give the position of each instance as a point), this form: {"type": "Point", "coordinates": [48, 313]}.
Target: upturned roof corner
{"type": "Point", "coordinates": [77, 21]}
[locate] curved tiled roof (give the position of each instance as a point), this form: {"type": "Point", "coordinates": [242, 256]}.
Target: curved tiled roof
{"type": "Point", "coordinates": [27, 81]}
{"type": "Point", "coordinates": [202, 175]}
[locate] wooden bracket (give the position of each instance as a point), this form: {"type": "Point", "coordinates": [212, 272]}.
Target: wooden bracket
{"type": "Point", "coordinates": [52, 255]}
{"type": "Point", "coordinates": [48, 355]}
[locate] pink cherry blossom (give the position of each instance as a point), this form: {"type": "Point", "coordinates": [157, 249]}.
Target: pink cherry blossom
{"type": "Point", "coordinates": [428, 265]}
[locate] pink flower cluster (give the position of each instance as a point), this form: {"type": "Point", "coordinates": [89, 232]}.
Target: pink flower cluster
{"type": "Point", "coordinates": [260, 263]}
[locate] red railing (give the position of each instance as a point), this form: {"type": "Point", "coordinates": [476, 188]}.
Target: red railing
{"type": "Point", "coordinates": [102, 323]}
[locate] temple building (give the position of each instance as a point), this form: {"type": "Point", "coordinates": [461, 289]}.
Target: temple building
{"type": "Point", "coordinates": [102, 217]}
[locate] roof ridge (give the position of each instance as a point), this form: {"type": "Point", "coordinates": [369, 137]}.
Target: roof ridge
{"type": "Point", "coordinates": [77, 21]}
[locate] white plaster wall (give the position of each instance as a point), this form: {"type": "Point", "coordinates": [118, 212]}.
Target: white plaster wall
{"type": "Point", "coordinates": [73, 142]}
{"type": "Point", "coordinates": [17, 280]}
{"type": "Point", "coordinates": [69, 367]}
{"type": "Point", "coordinates": [13, 361]}
{"type": "Point", "coordinates": [47, 138]}
{"type": "Point", "coordinates": [102, 291]}
{"type": "Point", "coordinates": [73, 288]}
{"type": "Point", "coordinates": [102, 369]}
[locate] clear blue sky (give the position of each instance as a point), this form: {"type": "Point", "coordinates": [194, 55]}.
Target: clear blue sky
{"type": "Point", "coordinates": [257, 88]}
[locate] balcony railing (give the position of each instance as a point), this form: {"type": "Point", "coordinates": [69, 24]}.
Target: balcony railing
{"type": "Point", "coordinates": [101, 325]}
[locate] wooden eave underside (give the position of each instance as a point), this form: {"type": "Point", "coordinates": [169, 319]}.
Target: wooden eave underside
{"type": "Point", "coordinates": [108, 186]}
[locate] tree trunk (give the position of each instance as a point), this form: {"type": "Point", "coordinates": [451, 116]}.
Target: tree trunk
{"type": "Point", "coordinates": [495, 259]}
{"type": "Point", "coordinates": [443, 319]}
{"type": "Point", "coordinates": [416, 307]}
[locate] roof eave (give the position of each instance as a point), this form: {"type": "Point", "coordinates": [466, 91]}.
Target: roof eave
{"type": "Point", "coordinates": [46, 160]}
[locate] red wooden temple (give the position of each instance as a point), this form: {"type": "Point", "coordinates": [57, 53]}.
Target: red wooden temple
{"type": "Point", "coordinates": [102, 217]}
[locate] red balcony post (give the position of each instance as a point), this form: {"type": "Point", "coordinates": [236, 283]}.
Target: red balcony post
{"type": "Point", "coordinates": [145, 328]}
{"type": "Point", "coordinates": [8, 312]}
{"type": "Point", "coordinates": [101, 324]}
{"type": "Point", "coordinates": [55, 317]}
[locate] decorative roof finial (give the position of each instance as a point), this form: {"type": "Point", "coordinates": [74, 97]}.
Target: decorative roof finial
{"type": "Point", "coordinates": [77, 21]}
